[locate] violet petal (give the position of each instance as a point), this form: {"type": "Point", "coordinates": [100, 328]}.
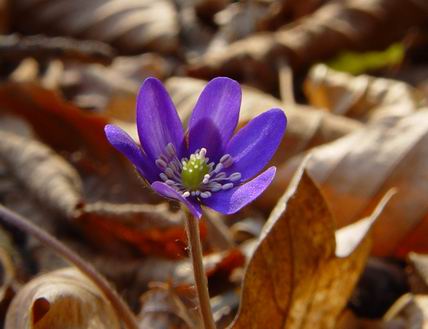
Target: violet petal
{"type": "Point", "coordinates": [122, 142]}
{"type": "Point", "coordinates": [157, 120]}
{"type": "Point", "coordinates": [215, 117]}
{"type": "Point", "coordinates": [170, 193]}
{"type": "Point", "coordinates": [254, 145]}
{"type": "Point", "coordinates": [231, 201]}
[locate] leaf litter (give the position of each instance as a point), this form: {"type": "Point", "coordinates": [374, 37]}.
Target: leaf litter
{"type": "Point", "coordinates": [306, 265]}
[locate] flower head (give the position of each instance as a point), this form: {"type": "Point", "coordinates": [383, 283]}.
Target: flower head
{"type": "Point", "coordinates": [208, 165]}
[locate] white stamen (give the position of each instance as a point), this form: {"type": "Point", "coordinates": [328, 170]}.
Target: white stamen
{"type": "Point", "coordinates": [213, 181]}
{"type": "Point", "coordinates": [218, 168]}
{"type": "Point", "coordinates": [206, 179]}
{"type": "Point", "coordinates": [235, 176]}
{"type": "Point", "coordinates": [169, 172]}
{"type": "Point", "coordinates": [170, 149]}
{"type": "Point", "coordinates": [227, 186]}
{"type": "Point", "coordinates": [161, 164]}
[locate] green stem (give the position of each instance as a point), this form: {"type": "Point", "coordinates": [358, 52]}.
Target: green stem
{"type": "Point", "coordinates": [195, 247]}
{"type": "Point", "coordinates": [113, 297]}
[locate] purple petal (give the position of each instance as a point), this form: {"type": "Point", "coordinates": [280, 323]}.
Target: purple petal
{"type": "Point", "coordinates": [231, 201]}
{"type": "Point", "coordinates": [215, 117]}
{"type": "Point", "coordinates": [157, 120]}
{"type": "Point", "coordinates": [170, 193]}
{"type": "Point", "coordinates": [255, 144]}
{"type": "Point", "coordinates": [122, 142]}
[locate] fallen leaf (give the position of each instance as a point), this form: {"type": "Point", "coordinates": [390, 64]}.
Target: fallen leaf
{"type": "Point", "coordinates": [46, 175]}
{"type": "Point", "coordinates": [334, 27]}
{"type": "Point", "coordinates": [131, 26]}
{"type": "Point", "coordinates": [302, 271]}
{"type": "Point", "coordinates": [360, 97]}
{"type": "Point", "coordinates": [58, 300]}
{"type": "Point", "coordinates": [356, 170]}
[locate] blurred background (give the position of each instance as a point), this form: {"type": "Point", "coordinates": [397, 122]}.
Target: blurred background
{"type": "Point", "coordinates": [351, 76]}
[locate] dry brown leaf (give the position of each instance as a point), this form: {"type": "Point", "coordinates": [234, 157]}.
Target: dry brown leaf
{"type": "Point", "coordinates": [356, 170]}
{"type": "Point", "coordinates": [306, 127]}
{"type": "Point", "coordinates": [55, 120]}
{"type": "Point", "coordinates": [302, 271]}
{"type": "Point", "coordinates": [112, 90]}
{"type": "Point", "coordinates": [132, 26]}
{"type": "Point", "coordinates": [46, 175]}
{"type": "Point", "coordinates": [336, 26]}
{"type": "Point", "coordinates": [163, 309]}
{"type": "Point", "coordinates": [361, 97]}
{"type": "Point", "coordinates": [64, 299]}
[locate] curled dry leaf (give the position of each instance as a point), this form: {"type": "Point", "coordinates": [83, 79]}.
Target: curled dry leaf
{"type": "Point", "coordinates": [131, 26]}
{"type": "Point", "coordinates": [336, 26]}
{"type": "Point", "coordinates": [361, 97]}
{"type": "Point", "coordinates": [306, 127]}
{"type": "Point", "coordinates": [302, 271]}
{"type": "Point", "coordinates": [58, 300]}
{"type": "Point", "coordinates": [354, 171]}
{"type": "Point", "coordinates": [45, 174]}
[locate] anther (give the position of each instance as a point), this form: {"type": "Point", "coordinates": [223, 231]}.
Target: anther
{"type": "Point", "coordinates": [227, 186]}
{"type": "Point", "coordinates": [169, 172]}
{"type": "Point", "coordinates": [218, 168]}
{"type": "Point", "coordinates": [186, 194]}
{"type": "Point", "coordinates": [235, 176]}
{"type": "Point", "coordinates": [163, 176]}
{"type": "Point", "coordinates": [226, 160]}
{"type": "Point", "coordinates": [203, 152]}
{"type": "Point", "coordinates": [205, 194]}
{"type": "Point", "coordinates": [170, 149]}
{"type": "Point", "coordinates": [161, 164]}
{"type": "Point", "coordinates": [206, 179]}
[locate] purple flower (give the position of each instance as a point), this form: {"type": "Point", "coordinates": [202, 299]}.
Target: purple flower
{"type": "Point", "coordinates": [207, 165]}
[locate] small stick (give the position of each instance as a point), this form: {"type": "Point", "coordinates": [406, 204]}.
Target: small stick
{"type": "Point", "coordinates": [195, 247]}
{"type": "Point", "coordinates": [286, 83]}
{"type": "Point", "coordinates": [117, 303]}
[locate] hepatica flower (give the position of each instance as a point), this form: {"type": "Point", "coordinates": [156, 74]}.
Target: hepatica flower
{"type": "Point", "coordinates": [207, 165]}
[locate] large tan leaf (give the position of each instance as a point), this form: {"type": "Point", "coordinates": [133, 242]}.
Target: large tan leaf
{"type": "Point", "coordinates": [356, 170]}
{"type": "Point", "coordinates": [361, 97]}
{"type": "Point", "coordinates": [64, 299]}
{"type": "Point", "coordinates": [131, 25]}
{"type": "Point", "coordinates": [302, 271]}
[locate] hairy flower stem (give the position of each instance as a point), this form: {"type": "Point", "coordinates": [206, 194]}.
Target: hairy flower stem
{"type": "Point", "coordinates": [195, 247]}
{"type": "Point", "coordinates": [122, 309]}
